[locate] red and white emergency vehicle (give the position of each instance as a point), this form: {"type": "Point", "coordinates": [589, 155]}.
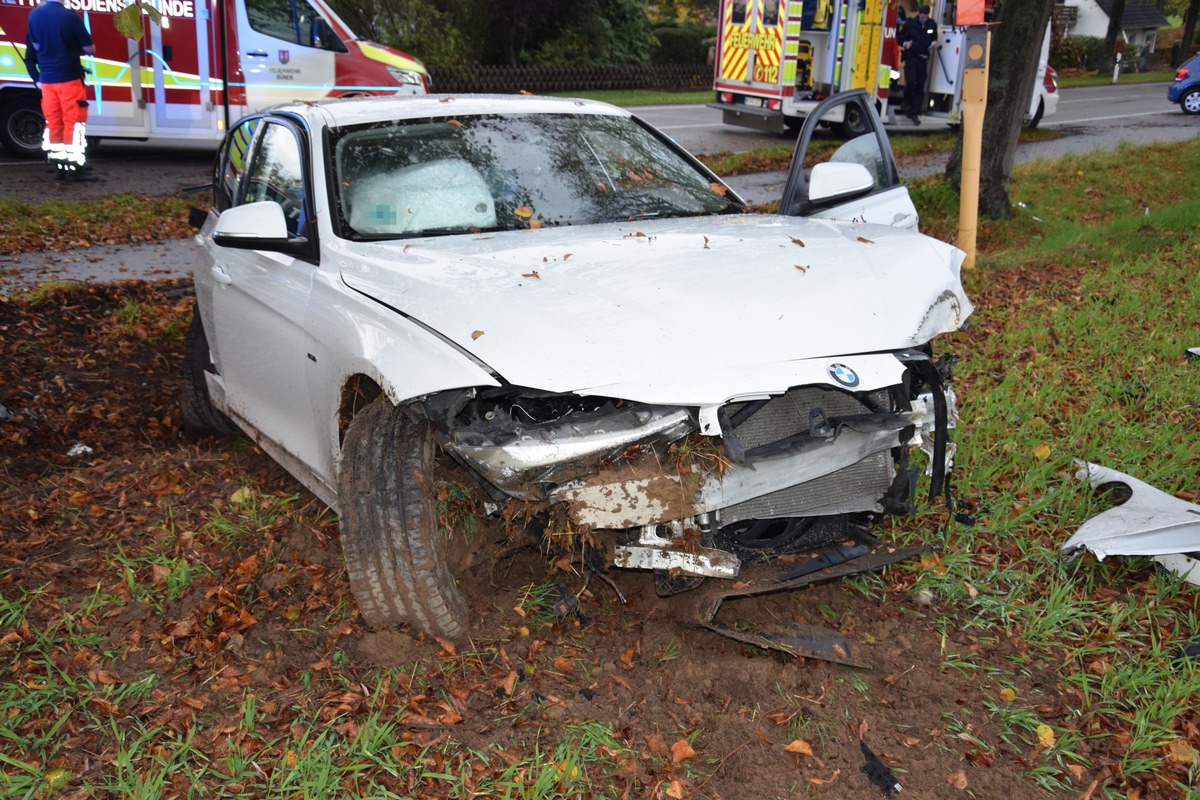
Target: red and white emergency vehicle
{"type": "Point", "coordinates": [777, 59]}
{"type": "Point", "coordinates": [207, 64]}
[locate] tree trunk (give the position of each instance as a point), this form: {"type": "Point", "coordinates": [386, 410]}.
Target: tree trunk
{"type": "Point", "coordinates": [1186, 48]}
{"type": "Point", "coordinates": [1016, 46]}
{"type": "Point", "coordinates": [1114, 30]}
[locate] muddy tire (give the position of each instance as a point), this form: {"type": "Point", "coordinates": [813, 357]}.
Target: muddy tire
{"type": "Point", "coordinates": [200, 416]}
{"type": "Point", "coordinates": [21, 126]}
{"type": "Point", "coordinates": [393, 549]}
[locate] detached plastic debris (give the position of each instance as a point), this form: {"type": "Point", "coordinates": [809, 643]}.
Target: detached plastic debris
{"type": "Point", "coordinates": [1149, 523]}
{"type": "Point", "coordinates": [5, 414]}
{"type": "Point", "coordinates": [78, 450]}
{"type": "Point", "coordinates": [1192, 353]}
{"type": "Point", "coordinates": [878, 773]}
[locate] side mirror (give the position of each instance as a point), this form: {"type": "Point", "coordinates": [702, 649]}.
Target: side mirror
{"type": "Point", "coordinates": [838, 180]}
{"type": "Point", "coordinates": [256, 226]}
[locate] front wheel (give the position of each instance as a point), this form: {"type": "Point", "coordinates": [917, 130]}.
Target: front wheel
{"type": "Point", "coordinates": [394, 551]}
{"type": "Point", "coordinates": [1190, 102]}
{"type": "Point", "coordinates": [21, 127]}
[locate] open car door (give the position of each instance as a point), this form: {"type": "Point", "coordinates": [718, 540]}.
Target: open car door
{"type": "Point", "coordinates": [859, 181]}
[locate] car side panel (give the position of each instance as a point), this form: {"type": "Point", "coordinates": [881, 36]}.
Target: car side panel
{"type": "Point", "coordinates": [350, 334]}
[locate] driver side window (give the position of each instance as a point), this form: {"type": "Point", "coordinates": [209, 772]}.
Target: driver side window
{"type": "Point", "coordinates": [276, 174]}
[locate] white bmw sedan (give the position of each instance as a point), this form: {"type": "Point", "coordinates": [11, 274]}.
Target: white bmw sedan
{"type": "Point", "coordinates": [578, 312]}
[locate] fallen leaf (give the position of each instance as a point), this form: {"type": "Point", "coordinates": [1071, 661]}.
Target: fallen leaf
{"type": "Point", "coordinates": [533, 275]}
{"type": "Point", "coordinates": [958, 779]}
{"type": "Point", "coordinates": [657, 745]}
{"type": "Point", "coordinates": [509, 684]}
{"type": "Point", "coordinates": [563, 664]}
{"type": "Point", "coordinates": [802, 269]}
{"type": "Point", "coordinates": [1007, 695]}
{"type": "Point", "coordinates": [681, 751]}
{"type": "Point", "coordinates": [534, 224]}
{"type": "Point", "coordinates": [448, 648]}
{"type": "Point", "coordinates": [567, 255]}
{"type": "Point", "coordinates": [454, 122]}
{"type": "Point", "coordinates": [674, 790]}
{"type": "Point", "coordinates": [526, 93]}
{"type": "Point", "coordinates": [972, 592]}
{"type": "Point", "coordinates": [242, 495]}
{"type": "Point", "coordinates": [1041, 452]}
{"type": "Point", "coordinates": [1180, 751]}
{"type": "Point", "coordinates": [799, 746]}
{"type": "Point", "coordinates": [446, 100]}
{"type": "Point", "coordinates": [476, 335]}
{"type": "Point", "coordinates": [824, 781]}
{"type": "Point", "coordinates": [706, 247]}
{"type": "Point", "coordinates": [909, 741]}
{"type": "Point", "coordinates": [865, 241]}
{"type": "Point", "coordinates": [719, 189]}
{"type": "Point", "coordinates": [1045, 735]}
{"type": "Point", "coordinates": [796, 241]}
{"type": "Point", "coordinates": [524, 212]}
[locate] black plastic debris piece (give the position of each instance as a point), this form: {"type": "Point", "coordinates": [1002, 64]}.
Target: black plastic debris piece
{"type": "Point", "coordinates": [587, 694]}
{"type": "Point", "coordinates": [1190, 650]}
{"type": "Point", "coordinates": [1192, 354]}
{"type": "Point", "coordinates": [562, 603]}
{"type": "Point", "coordinates": [878, 773]}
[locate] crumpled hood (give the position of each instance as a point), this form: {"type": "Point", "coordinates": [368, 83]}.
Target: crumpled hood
{"type": "Point", "coordinates": [673, 304]}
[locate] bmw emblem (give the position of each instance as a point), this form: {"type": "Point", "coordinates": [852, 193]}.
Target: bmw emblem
{"type": "Point", "coordinates": [843, 375]}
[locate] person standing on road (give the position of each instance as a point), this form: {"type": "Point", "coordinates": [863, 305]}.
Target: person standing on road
{"type": "Point", "coordinates": [55, 43]}
{"type": "Point", "coordinates": [917, 38]}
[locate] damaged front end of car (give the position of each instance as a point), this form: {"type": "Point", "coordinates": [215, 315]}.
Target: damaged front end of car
{"type": "Point", "coordinates": [695, 491]}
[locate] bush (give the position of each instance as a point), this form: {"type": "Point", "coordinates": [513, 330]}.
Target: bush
{"type": "Point", "coordinates": [1077, 52]}
{"type": "Point", "coordinates": [679, 44]}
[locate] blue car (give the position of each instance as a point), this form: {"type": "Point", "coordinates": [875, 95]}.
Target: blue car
{"type": "Point", "coordinates": [1185, 89]}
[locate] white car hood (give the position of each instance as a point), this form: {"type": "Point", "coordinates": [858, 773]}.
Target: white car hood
{"type": "Point", "coordinates": [684, 311]}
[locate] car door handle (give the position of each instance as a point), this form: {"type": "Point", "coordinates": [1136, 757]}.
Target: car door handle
{"type": "Point", "coordinates": [257, 53]}
{"type": "Point", "coordinates": [221, 276]}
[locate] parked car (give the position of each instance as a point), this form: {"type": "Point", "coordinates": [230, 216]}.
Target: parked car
{"type": "Point", "coordinates": [1047, 103]}
{"type": "Point", "coordinates": [562, 300]}
{"type": "Point", "coordinates": [1185, 89]}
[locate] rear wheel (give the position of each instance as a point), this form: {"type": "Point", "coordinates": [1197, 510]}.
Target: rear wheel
{"type": "Point", "coordinates": [200, 416]}
{"type": "Point", "coordinates": [1190, 102]}
{"type": "Point", "coordinates": [394, 551]}
{"type": "Point", "coordinates": [1037, 116]}
{"type": "Point", "coordinates": [855, 124]}
{"type": "Point", "coordinates": [21, 127]}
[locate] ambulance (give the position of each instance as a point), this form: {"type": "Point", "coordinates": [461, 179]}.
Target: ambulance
{"type": "Point", "coordinates": [777, 59]}
{"type": "Point", "coordinates": [208, 63]}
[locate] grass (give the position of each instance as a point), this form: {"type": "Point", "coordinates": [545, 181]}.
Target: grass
{"type": "Point", "coordinates": [1085, 306]}
{"type": "Point", "coordinates": [63, 224]}
{"type": "Point", "coordinates": [642, 97]}
{"type": "Point", "coordinates": [1105, 78]}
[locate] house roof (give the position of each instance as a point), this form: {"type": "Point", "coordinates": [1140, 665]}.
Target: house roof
{"type": "Point", "coordinates": [1138, 14]}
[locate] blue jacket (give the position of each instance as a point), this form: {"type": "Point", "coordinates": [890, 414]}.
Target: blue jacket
{"type": "Point", "coordinates": [54, 44]}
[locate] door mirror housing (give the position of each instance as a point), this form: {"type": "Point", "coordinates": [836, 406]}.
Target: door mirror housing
{"type": "Point", "coordinates": [257, 226]}
{"type": "Point", "coordinates": [833, 180]}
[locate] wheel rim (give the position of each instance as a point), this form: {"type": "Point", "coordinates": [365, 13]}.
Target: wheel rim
{"type": "Point", "coordinates": [1192, 102]}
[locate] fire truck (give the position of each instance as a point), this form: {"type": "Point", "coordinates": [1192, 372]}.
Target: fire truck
{"type": "Point", "coordinates": [777, 59]}
{"type": "Point", "coordinates": [205, 65]}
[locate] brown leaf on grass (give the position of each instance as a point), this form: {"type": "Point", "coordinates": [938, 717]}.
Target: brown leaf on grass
{"type": "Point", "coordinates": [657, 745]}
{"type": "Point", "coordinates": [958, 780]}
{"type": "Point", "coordinates": [564, 664]}
{"type": "Point", "coordinates": [681, 751]}
{"type": "Point", "coordinates": [448, 648]}
{"type": "Point", "coordinates": [508, 683]}
{"type": "Point", "coordinates": [674, 790]}
{"type": "Point", "coordinates": [1180, 751]}
{"type": "Point", "coordinates": [800, 747]}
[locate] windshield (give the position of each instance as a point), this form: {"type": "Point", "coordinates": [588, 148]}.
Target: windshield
{"type": "Point", "coordinates": [491, 173]}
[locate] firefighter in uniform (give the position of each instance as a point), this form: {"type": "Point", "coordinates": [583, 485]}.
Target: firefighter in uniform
{"type": "Point", "coordinates": [916, 38]}
{"type": "Point", "coordinates": [55, 42]}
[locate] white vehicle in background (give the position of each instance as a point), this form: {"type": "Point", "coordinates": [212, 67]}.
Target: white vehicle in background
{"type": "Point", "coordinates": [560, 299]}
{"type": "Point", "coordinates": [208, 64]}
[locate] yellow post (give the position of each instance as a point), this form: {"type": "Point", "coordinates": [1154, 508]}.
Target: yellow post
{"type": "Point", "coordinates": [974, 104]}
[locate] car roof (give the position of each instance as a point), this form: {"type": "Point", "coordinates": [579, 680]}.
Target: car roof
{"type": "Point", "coordinates": [339, 112]}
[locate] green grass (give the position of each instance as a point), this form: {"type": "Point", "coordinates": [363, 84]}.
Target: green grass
{"type": "Point", "coordinates": [63, 224]}
{"type": "Point", "coordinates": [1105, 78]}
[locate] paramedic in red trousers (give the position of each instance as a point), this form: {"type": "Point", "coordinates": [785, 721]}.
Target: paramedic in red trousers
{"type": "Point", "coordinates": [917, 37]}
{"type": "Point", "coordinates": [55, 42]}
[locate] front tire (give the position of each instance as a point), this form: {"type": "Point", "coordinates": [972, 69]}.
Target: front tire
{"type": "Point", "coordinates": [855, 124]}
{"type": "Point", "coordinates": [21, 127]}
{"type": "Point", "coordinates": [1190, 102]}
{"type": "Point", "coordinates": [393, 548]}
